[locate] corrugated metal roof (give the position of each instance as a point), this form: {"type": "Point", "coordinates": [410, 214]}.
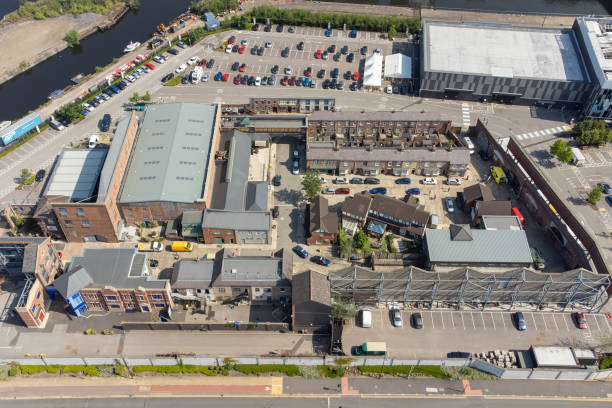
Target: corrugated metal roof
{"type": "Point", "coordinates": [170, 157]}
{"type": "Point", "coordinates": [237, 220]}
{"type": "Point", "coordinates": [110, 164]}
{"type": "Point", "coordinates": [486, 246]}
{"type": "Point", "coordinates": [237, 171]}
{"type": "Point", "coordinates": [190, 273]}
{"type": "Point", "coordinates": [76, 173]}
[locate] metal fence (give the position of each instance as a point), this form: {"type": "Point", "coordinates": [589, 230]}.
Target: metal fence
{"type": "Point", "coordinates": [510, 373]}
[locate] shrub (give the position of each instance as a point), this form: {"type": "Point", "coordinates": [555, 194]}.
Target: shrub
{"type": "Point", "coordinates": [427, 371]}
{"type": "Point", "coordinates": [91, 371]}
{"type": "Point", "coordinates": [253, 369]}
{"type": "Point", "coordinates": [159, 369]}
{"type": "Point", "coordinates": [76, 369]}
{"type": "Point", "coordinates": [32, 369]}
{"type": "Point", "coordinates": [13, 372]}
{"type": "Point", "coordinates": [53, 369]}
{"type": "Point", "coordinates": [331, 372]}
{"type": "Point", "coordinates": [194, 369]}
{"type": "Point", "coordinates": [72, 38]}
{"type": "Point", "coordinates": [605, 363]}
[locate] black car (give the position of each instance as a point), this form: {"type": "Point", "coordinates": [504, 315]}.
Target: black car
{"type": "Point", "coordinates": [274, 69]}
{"type": "Point", "coordinates": [417, 320]}
{"type": "Point", "coordinates": [458, 354]}
{"type": "Point", "coordinates": [185, 79]}
{"type": "Point", "coordinates": [353, 86]}
{"type": "Point", "coordinates": [334, 73]}
{"type": "Point", "coordinates": [280, 28]}
{"type": "Point", "coordinates": [105, 123]}
{"type": "Point", "coordinates": [94, 102]}
{"type": "Point", "coordinates": [340, 86]}
{"type": "Point", "coordinates": [292, 29]}
{"type": "Point", "coordinates": [333, 83]}
{"type": "Point", "coordinates": [244, 80]}
{"type": "Point", "coordinates": [271, 80]}
{"type": "Point", "coordinates": [372, 180]}
{"type": "Point", "coordinates": [65, 122]}
{"type": "Point", "coordinates": [348, 75]}
{"type": "Point", "coordinates": [254, 50]}
{"type": "Point", "coordinates": [168, 77]}
{"type": "Point", "coordinates": [210, 63]}
{"type": "Point", "coordinates": [285, 52]}
{"type": "Point", "coordinates": [268, 28]}
{"type": "Point", "coordinates": [275, 212]}
{"type": "Point", "coordinates": [260, 51]}
{"type": "Point", "coordinates": [321, 74]}
{"type": "Point", "coordinates": [108, 92]}
{"type": "Point", "coordinates": [321, 260]}
{"type": "Point", "coordinates": [300, 45]}
{"type": "Point", "coordinates": [331, 49]}
{"type": "Point", "coordinates": [326, 84]}
{"type": "Point", "coordinates": [173, 51]}
{"type": "Point", "coordinates": [251, 80]}
{"type": "Point", "coordinates": [364, 50]}
{"type": "Point", "coordinates": [40, 175]}
{"type": "Point", "coordinates": [235, 66]}
{"type": "Point", "coordinates": [276, 181]}
{"type": "Point", "coordinates": [235, 48]}
{"type": "Point", "coordinates": [337, 56]}
{"type": "Point", "coordinates": [255, 27]}
{"type": "Point", "coordinates": [344, 50]}
{"type": "Point", "coordinates": [356, 180]}
{"type": "Point", "coordinates": [299, 82]}
{"type": "Point", "coordinates": [153, 263]}
{"type": "Point", "coordinates": [350, 57]}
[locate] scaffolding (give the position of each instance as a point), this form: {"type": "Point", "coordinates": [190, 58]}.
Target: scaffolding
{"type": "Point", "coordinates": [578, 289]}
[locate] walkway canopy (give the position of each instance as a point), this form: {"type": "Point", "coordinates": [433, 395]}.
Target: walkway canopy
{"type": "Point", "coordinates": [373, 70]}
{"type": "Point", "coordinates": [398, 66]}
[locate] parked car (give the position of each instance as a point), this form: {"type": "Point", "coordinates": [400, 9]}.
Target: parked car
{"type": "Point", "coordinates": [605, 187]}
{"type": "Point", "coordinates": [343, 190]}
{"type": "Point", "coordinates": [356, 180]}
{"type": "Point", "coordinates": [105, 122]}
{"type": "Point", "coordinates": [340, 180]}
{"type": "Point", "coordinates": [372, 180]}
{"type": "Point", "coordinates": [180, 69]}
{"type": "Point", "coordinates": [268, 28]}
{"type": "Point", "coordinates": [276, 181]}
{"type": "Point", "coordinates": [296, 167]}
{"type": "Point", "coordinates": [40, 175]}
{"type": "Point", "coordinates": [173, 51]}
{"type": "Point", "coordinates": [453, 181]}
{"type": "Point", "coordinates": [167, 77]}
{"type": "Point", "coordinates": [275, 212]}
{"type": "Point", "coordinates": [417, 320]}
{"type": "Point", "coordinates": [350, 57]}
{"type": "Point", "coordinates": [609, 200]}
{"type": "Point", "coordinates": [300, 45]}
{"type": "Point", "coordinates": [181, 44]}
{"type": "Point", "coordinates": [414, 191]}
{"type": "Point", "coordinates": [269, 44]}
{"type": "Point", "coordinates": [429, 180]}
{"type": "Point", "coordinates": [450, 206]}
{"type": "Point", "coordinates": [285, 52]}
{"type": "Point", "coordinates": [193, 60]}
{"type": "Point", "coordinates": [378, 190]}
{"type": "Point", "coordinates": [279, 28]}
{"type": "Point", "coordinates": [205, 78]}
{"type": "Point", "coordinates": [459, 354]}
{"type": "Point", "coordinates": [301, 252]}
{"type": "Point", "coordinates": [520, 321]}
{"type": "Point", "coordinates": [329, 190]}
{"type": "Point", "coordinates": [321, 260]}
{"type": "Point", "coordinates": [396, 317]}
{"type": "Point", "coordinates": [580, 320]}
{"type": "Point", "coordinates": [403, 180]}
{"type": "Point", "coordinates": [210, 63]}
{"type": "Point", "coordinates": [274, 69]}
{"type": "Point", "coordinates": [364, 50]}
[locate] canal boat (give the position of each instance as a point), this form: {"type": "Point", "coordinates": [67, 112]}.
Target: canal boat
{"type": "Point", "coordinates": [131, 46]}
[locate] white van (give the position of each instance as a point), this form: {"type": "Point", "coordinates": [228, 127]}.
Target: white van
{"type": "Point", "coordinates": [93, 141]}
{"type": "Point", "coordinates": [366, 318]}
{"type": "Point", "coordinates": [468, 143]}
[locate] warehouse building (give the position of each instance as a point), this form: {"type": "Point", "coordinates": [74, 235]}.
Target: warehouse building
{"type": "Point", "coordinates": [503, 63]}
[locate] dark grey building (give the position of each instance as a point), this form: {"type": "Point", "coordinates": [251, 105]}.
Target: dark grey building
{"type": "Point", "coordinates": [503, 63]}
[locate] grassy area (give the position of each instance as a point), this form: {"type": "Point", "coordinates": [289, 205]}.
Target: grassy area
{"type": "Point", "coordinates": [421, 371]}
{"type": "Point", "coordinates": [43, 9]}
{"type": "Point", "coordinates": [254, 369]}
{"type": "Point", "coordinates": [174, 81]}
{"type": "Point", "coordinates": [467, 373]}
{"type": "Point", "coordinates": [176, 369]}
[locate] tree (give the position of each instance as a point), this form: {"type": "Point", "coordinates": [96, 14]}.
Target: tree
{"type": "Point", "coordinates": [72, 37]}
{"type": "Point", "coordinates": [592, 133]}
{"type": "Point", "coordinates": [561, 151]}
{"type": "Point", "coordinates": [391, 32]}
{"type": "Point", "coordinates": [135, 97]}
{"type": "Point", "coordinates": [344, 243]}
{"type": "Point", "coordinates": [146, 97]}
{"type": "Point", "coordinates": [71, 111]}
{"type": "Point", "coordinates": [214, 6]}
{"type": "Point", "coordinates": [25, 174]}
{"type": "Point", "coordinates": [557, 147]}
{"type": "Point", "coordinates": [311, 184]}
{"type": "Point", "coordinates": [566, 155]}
{"type": "Point", "coordinates": [359, 240]}
{"type": "Point", "coordinates": [595, 195]}
{"type": "Point", "coordinates": [343, 308]}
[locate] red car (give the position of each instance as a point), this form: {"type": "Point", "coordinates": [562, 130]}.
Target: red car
{"type": "Point", "coordinates": [237, 80]}
{"type": "Point", "coordinates": [292, 81]}
{"type": "Point", "coordinates": [356, 76]}
{"type": "Point", "coordinates": [343, 190]}
{"type": "Point", "coordinates": [202, 63]}
{"type": "Point", "coordinates": [225, 77]}
{"type": "Point", "coordinates": [150, 65]}
{"type": "Point", "coordinates": [580, 320]}
{"type": "Point", "coordinates": [241, 50]}
{"type": "Point", "coordinates": [308, 71]}
{"type": "Point", "coordinates": [242, 68]}
{"type": "Point", "coordinates": [318, 54]}
{"type": "Point", "coordinates": [231, 40]}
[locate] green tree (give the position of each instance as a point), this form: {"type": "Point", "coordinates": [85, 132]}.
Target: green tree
{"type": "Point", "coordinates": [558, 147]}
{"type": "Point", "coordinates": [72, 37]}
{"type": "Point", "coordinates": [99, 69]}
{"type": "Point", "coordinates": [311, 184]}
{"type": "Point", "coordinates": [71, 111]}
{"type": "Point", "coordinates": [343, 308]}
{"type": "Point", "coordinates": [595, 195]}
{"type": "Point", "coordinates": [25, 174]}
{"type": "Point", "coordinates": [146, 97]}
{"type": "Point", "coordinates": [566, 155]}
{"type": "Point", "coordinates": [391, 32]}
{"type": "Point", "coordinates": [135, 97]}
{"type": "Point", "coordinates": [344, 243]}
{"type": "Point", "coordinates": [592, 133]}
{"type": "Point", "coordinates": [214, 6]}
{"type": "Point", "coordinates": [133, 4]}
{"type": "Point", "coordinates": [360, 240]}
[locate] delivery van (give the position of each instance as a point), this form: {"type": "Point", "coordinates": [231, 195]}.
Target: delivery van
{"type": "Point", "coordinates": [498, 175]}
{"type": "Point", "coordinates": [371, 348]}
{"type": "Point", "coordinates": [515, 211]}
{"type": "Point", "coordinates": [181, 246]}
{"type": "Point", "coordinates": [366, 318]}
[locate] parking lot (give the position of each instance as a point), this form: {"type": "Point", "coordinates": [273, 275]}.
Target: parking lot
{"type": "Point", "coordinates": [475, 331]}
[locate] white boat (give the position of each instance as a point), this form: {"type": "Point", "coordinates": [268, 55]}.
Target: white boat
{"type": "Point", "coordinates": [131, 46]}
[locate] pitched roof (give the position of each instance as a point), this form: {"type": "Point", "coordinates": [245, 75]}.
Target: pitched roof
{"type": "Point", "coordinates": [478, 192]}
{"type": "Point", "coordinates": [311, 286]}
{"type": "Point", "coordinates": [321, 218]}
{"type": "Point", "coordinates": [486, 247]}
{"type": "Point", "coordinates": [461, 232]}
{"type": "Point", "coordinates": [237, 173]}
{"type": "Point", "coordinates": [357, 205]}
{"type": "Point", "coordinates": [252, 270]}
{"type": "Point", "coordinates": [112, 157]}
{"type": "Point", "coordinates": [192, 273]}
{"type": "Point", "coordinates": [399, 209]}
{"type": "Point", "coordinates": [256, 196]}
{"type": "Point", "coordinates": [76, 174]}
{"type": "Point", "coordinates": [493, 208]}
{"type": "Point", "coordinates": [71, 283]}
{"type": "Point", "coordinates": [237, 220]}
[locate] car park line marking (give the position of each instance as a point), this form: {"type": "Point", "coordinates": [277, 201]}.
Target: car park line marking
{"type": "Point", "coordinates": [442, 317]}
{"type": "Point", "coordinates": [433, 326]}
{"type": "Point", "coordinates": [544, 320]}
{"type": "Point", "coordinates": [462, 321]}
{"type": "Point", "coordinates": [596, 322]}
{"type": "Point", "coordinates": [473, 322]}
{"type": "Point", "coordinates": [565, 320]}
{"type": "Point", "coordinates": [503, 320]}
{"type": "Point", "coordinates": [452, 320]}
{"type": "Point", "coordinates": [555, 320]}
{"type": "Point", "coordinates": [535, 325]}
{"type": "Point", "coordinates": [492, 320]}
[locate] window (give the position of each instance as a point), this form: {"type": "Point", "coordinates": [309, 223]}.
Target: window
{"type": "Point", "coordinates": [389, 164]}
{"type": "Point", "coordinates": [141, 298]}
{"type": "Point", "coordinates": [217, 232]}
{"type": "Point", "coordinates": [68, 223]}
{"type": "Point", "coordinates": [111, 298]}
{"type": "Point", "coordinates": [115, 306]}
{"type": "Point", "coordinates": [38, 295]}
{"type": "Point", "coordinates": [145, 308]}
{"type": "Point", "coordinates": [257, 290]}
{"type": "Point", "coordinates": [85, 224]}
{"type": "Point", "coordinates": [33, 308]}
{"type": "Point", "coordinates": [156, 297]}
{"type": "Point", "coordinates": [159, 305]}
{"type": "Point", "coordinates": [221, 290]}
{"type": "Point", "coordinates": [63, 212]}
{"type": "Point", "coordinates": [282, 290]}
{"type": "Point", "coordinates": [377, 164]}
{"type": "Point", "coordinates": [80, 212]}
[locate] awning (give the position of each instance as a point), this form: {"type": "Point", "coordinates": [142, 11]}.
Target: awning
{"type": "Point", "coordinates": [373, 70]}
{"type": "Point", "coordinates": [398, 66]}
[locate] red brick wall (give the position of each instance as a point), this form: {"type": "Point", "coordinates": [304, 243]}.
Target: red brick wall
{"type": "Point", "coordinates": [125, 299]}
{"type": "Point", "coordinates": [100, 221]}
{"type": "Point", "coordinates": [318, 236]}
{"type": "Point", "coordinates": [156, 211]}
{"type": "Point", "coordinates": [37, 297]}
{"type": "Point", "coordinates": [209, 235]}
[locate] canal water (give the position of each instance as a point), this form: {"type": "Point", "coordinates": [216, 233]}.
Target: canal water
{"type": "Point", "coordinates": [31, 89]}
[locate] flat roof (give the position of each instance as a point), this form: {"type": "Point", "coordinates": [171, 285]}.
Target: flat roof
{"type": "Point", "coordinates": [598, 36]}
{"type": "Point", "coordinates": [171, 154]}
{"type": "Point", "coordinates": [398, 66]}
{"type": "Point", "coordinates": [502, 50]}
{"type": "Point", "coordinates": [76, 173]}
{"type": "Point", "coordinates": [553, 356]}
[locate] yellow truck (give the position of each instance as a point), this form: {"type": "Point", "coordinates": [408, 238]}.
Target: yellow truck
{"type": "Point", "coordinates": [498, 175]}
{"type": "Point", "coordinates": [181, 246]}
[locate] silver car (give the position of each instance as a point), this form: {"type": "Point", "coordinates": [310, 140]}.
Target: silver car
{"type": "Point", "coordinates": [329, 190]}
{"type": "Point", "coordinates": [397, 318]}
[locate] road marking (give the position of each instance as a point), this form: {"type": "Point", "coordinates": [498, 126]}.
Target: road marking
{"type": "Point", "coordinates": [432, 320]}
{"type": "Point", "coordinates": [544, 320]}
{"type": "Point", "coordinates": [465, 113]}
{"type": "Point", "coordinates": [442, 317]}
{"type": "Point", "coordinates": [492, 320]}
{"type": "Point", "coordinates": [431, 389]}
{"type": "Point", "coordinates": [473, 322]}
{"type": "Point", "coordinates": [596, 322]}
{"type": "Point", "coordinates": [555, 320]}
{"type": "Point", "coordinates": [462, 321]}
{"type": "Point", "coordinates": [452, 320]}
{"type": "Point", "coordinates": [484, 326]}
{"type": "Point", "coordinates": [534, 322]}
{"type": "Point", "coordinates": [565, 320]}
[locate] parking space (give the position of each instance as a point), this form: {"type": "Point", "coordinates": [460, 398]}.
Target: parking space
{"type": "Point", "coordinates": [475, 331]}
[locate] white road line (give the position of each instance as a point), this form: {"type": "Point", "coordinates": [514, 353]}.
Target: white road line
{"type": "Point", "coordinates": [452, 320]}
{"type": "Point", "coordinates": [433, 326]}
{"type": "Point", "coordinates": [565, 320]}
{"type": "Point", "coordinates": [534, 322]}
{"type": "Point", "coordinates": [442, 318]}
{"type": "Point", "coordinates": [492, 320]}
{"type": "Point", "coordinates": [473, 322]}
{"type": "Point", "coordinates": [544, 320]}
{"type": "Point", "coordinates": [596, 322]}
{"type": "Point", "coordinates": [503, 320]}
{"type": "Point", "coordinates": [484, 326]}
{"type": "Point", "coordinates": [555, 320]}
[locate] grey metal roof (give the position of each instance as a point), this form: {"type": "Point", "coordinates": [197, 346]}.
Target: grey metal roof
{"type": "Point", "coordinates": [491, 222]}
{"type": "Point", "coordinates": [191, 273]}
{"type": "Point", "coordinates": [192, 217]}
{"type": "Point", "coordinates": [110, 164]}
{"type": "Point", "coordinates": [70, 283]}
{"type": "Point", "coordinates": [456, 156]}
{"type": "Point", "coordinates": [122, 268]}
{"type": "Point", "coordinates": [171, 154]}
{"type": "Point", "coordinates": [30, 252]}
{"type": "Point", "coordinates": [237, 173]}
{"type": "Point", "coordinates": [372, 115]}
{"type": "Point", "coordinates": [486, 246]}
{"type": "Point", "coordinates": [256, 196]}
{"type": "Point", "coordinates": [76, 173]}
{"type": "Point", "coordinates": [237, 220]}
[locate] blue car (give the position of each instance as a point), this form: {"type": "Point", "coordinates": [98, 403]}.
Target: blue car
{"type": "Point", "coordinates": [321, 260]}
{"type": "Point", "coordinates": [218, 76]}
{"type": "Point", "coordinates": [328, 32]}
{"type": "Point", "coordinates": [115, 89]}
{"type": "Point", "coordinates": [378, 190]}
{"type": "Point", "coordinates": [403, 180]}
{"type": "Point", "coordinates": [301, 252]}
{"type": "Point", "coordinates": [414, 191]}
{"type": "Point", "coordinates": [306, 82]}
{"type": "Point", "coordinates": [609, 200]}
{"type": "Point", "coordinates": [353, 34]}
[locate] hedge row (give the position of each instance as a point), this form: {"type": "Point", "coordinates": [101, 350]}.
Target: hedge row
{"type": "Point", "coordinates": [428, 371]}
{"type": "Point", "coordinates": [253, 369]}
{"type": "Point", "coordinates": [175, 369]}
{"type": "Point", "coordinates": [91, 371]}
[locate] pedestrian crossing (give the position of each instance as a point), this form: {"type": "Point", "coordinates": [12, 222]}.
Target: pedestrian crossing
{"type": "Point", "coordinates": [540, 133]}
{"type": "Point", "coordinates": [465, 113]}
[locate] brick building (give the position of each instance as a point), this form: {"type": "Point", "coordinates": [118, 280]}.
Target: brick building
{"type": "Point", "coordinates": [172, 162]}
{"type": "Point", "coordinates": [323, 226]}
{"type": "Point", "coordinates": [112, 279]}
{"type": "Point", "coordinates": [291, 105]}
{"type": "Point", "coordinates": [236, 227]}
{"type": "Point", "coordinates": [35, 262]}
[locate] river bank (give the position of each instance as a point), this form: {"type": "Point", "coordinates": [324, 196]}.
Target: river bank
{"type": "Point", "coordinates": [30, 42]}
